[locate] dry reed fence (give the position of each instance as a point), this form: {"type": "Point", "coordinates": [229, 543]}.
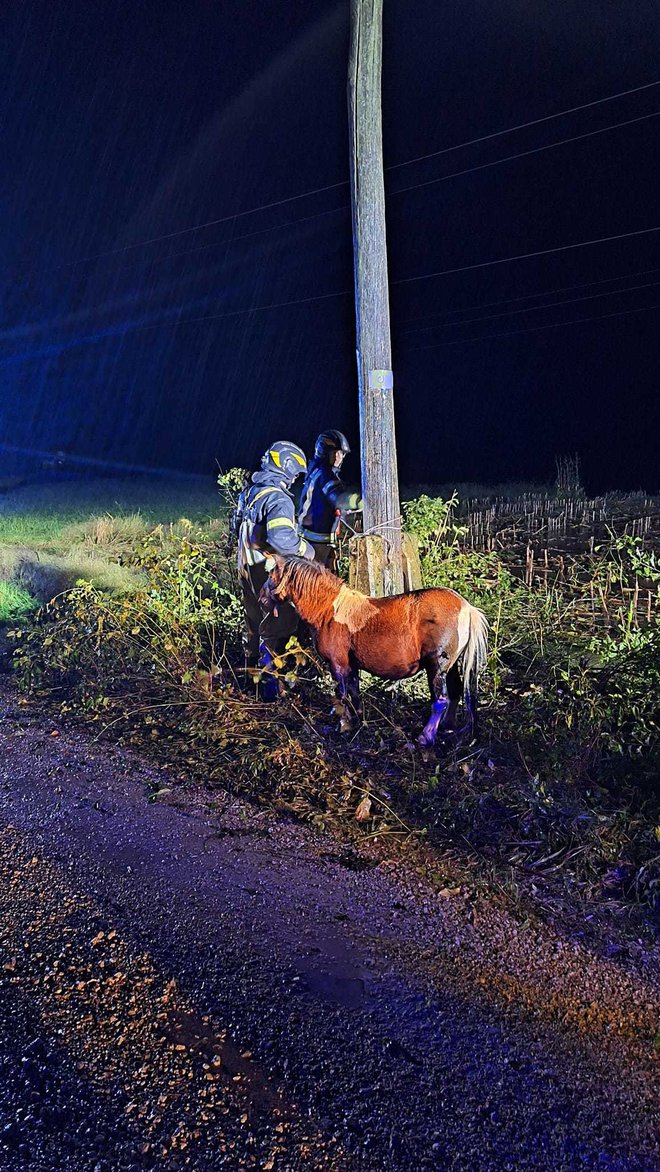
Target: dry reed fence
{"type": "Point", "coordinates": [555, 542]}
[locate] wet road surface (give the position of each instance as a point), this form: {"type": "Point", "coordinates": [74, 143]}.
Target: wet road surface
{"type": "Point", "coordinates": [190, 983]}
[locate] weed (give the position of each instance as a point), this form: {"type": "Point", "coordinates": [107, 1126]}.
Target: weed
{"type": "Point", "coordinates": [15, 603]}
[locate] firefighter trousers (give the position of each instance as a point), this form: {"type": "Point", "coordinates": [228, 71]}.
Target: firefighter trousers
{"type": "Point", "coordinates": [262, 627]}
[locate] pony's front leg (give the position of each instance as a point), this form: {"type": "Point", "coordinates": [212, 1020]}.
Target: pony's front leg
{"type": "Point", "coordinates": [440, 707]}
{"type": "Point", "coordinates": [347, 688]}
{"type": "Point", "coordinates": [354, 697]}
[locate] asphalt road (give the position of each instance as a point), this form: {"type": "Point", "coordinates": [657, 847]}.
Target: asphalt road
{"type": "Point", "coordinates": [190, 983]}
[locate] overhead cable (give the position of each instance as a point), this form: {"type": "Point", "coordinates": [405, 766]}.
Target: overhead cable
{"type": "Point", "coordinates": [525, 154]}
{"type": "Point", "coordinates": [530, 309]}
{"type": "Point", "coordinates": [344, 182]}
{"type": "Point", "coordinates": [532, 329]}
{"type": "Point", "coordinates": [524, 256]}
{"type": "Point", "coordinates": [528, 297]}
{"type": "Point", "coordinates": [522, 126]}
{"type": "Point", "coordinates": [114, 331]}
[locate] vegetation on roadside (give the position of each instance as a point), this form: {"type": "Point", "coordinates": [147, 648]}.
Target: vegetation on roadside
{"type": "Point", "coordinates": [559, 794]}
{"type": "Point", "coordinates": [15, 603]}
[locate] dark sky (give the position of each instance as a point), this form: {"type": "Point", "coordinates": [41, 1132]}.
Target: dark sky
{"type": "Point", "coordinates": [121, 122]}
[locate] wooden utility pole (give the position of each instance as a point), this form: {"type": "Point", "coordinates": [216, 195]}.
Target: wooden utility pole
{"type": "Point", "coordinates": [380, 484]}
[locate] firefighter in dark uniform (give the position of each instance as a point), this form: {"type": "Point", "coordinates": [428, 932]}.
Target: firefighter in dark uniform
{"type": "Point", "coordinates": [325, 498]}
{"type": "Point", "coordinates": [266, 523]}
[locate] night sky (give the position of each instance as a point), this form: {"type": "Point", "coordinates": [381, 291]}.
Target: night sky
{"type": "Point", "coordinates": [147, 319]}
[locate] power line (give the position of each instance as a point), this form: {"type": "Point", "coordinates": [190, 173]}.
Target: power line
{"type": "Point", "coordinates": [524, 256]}
{"type": "Point", "coordinates": [117, 331]}
{"type": "Point", "coordinates": [209, 224]}
{"type": "Point", "coordinates": [465, 309]}
{"type": "Point", "coordinates": [344, 207]}
{"type": "Point", "coordinates": [102, 307]}
{"type": "Point", "coordinates": [344, 182]}
{"type": "Point", "coordinates": [527, 297]}
{"type": "Point", "coordinates": [230, 239]}
{"type": "Point", "coordinates": [256, 308]}
{"type": "Point", "coordinates": [531, 309]}
{"type": "Point", "coordinates": [533, 329]}
{"type": "Point", "coordinates": [524, 154]}
{"type": "Point", "coordinates": [346, 292]}
{"type": "Point", "coordinates": [522, 126]}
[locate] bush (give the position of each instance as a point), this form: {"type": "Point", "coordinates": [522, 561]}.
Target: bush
{"type": "Point", "coordinates": [576, 696]}
{"type": "Point", "coordinates": [173, 631]}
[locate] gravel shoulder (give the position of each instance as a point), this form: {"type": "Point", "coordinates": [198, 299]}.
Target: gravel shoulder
{"type": "Point", "coordinates": [193, 983]}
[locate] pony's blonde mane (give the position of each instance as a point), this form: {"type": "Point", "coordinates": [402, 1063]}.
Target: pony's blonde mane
{"type": "Point", "coordinates": [353, 609]}
{"type": "Point", "coordinates": [319, 595]}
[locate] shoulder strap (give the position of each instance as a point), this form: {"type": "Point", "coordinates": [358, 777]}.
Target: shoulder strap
{"type": "Point", "coordinates": [308, 492]}
{"type": "Point", "coordinates": [263, 491]}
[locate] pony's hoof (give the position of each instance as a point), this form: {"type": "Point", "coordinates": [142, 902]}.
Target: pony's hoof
{"type": "Point", "coordinates": [424, 742]}
{"type": "Point", "coordinates": [448, 736]}
{"type": "Point", "coordinates": [419, 745]}
{"type": "Point", "coordinates": [441, 743]}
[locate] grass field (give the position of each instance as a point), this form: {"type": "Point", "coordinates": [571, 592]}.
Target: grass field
{"type": "Point", "coordinates": [15, 602]}
{"type": "Point", "coordinates": [53, 535]}
{"type": "Point", "coordinates": [40, 514]}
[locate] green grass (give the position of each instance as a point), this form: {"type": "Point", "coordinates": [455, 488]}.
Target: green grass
{"type": "Point", "coordinates": [32, 528]}
{"type": "Point", "coordinates": [55, 516]}
{"type": "Point", "coordinates": [15, 602]}
{"type": "Point", "coordinates": [43, 575]}
{"type": "Point", "coordinates": [54, 535]}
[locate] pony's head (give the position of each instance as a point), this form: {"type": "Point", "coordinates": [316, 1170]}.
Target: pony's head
{"type": "Point", "coordinates": [308, 585]}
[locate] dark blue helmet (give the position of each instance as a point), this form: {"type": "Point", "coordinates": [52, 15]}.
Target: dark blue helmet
{"type": "Point", "coordinates": [286, 458]}
{"type": "Point", "coordinates": [330, 442]}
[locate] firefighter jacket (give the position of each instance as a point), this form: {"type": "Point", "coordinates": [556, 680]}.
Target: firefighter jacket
{"type": "Point", "coordinates": [266, 522]}
{"type": "Point", "coordinates": [323, 500]}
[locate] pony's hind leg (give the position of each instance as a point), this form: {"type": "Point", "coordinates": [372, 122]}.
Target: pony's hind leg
{"type": "Point", "coordinates": [454, 691]}
{"type": "Point", "coordinates": [469, 729]}
{"type": "Point", "coordinates": [441, 702]}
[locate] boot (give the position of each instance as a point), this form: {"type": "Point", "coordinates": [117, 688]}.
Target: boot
{"type": "Point", "coordinates": [268, 684]}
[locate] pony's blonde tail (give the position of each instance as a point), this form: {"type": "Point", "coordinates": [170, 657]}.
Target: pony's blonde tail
{"type": "Point", "coordinates": [476, 652]}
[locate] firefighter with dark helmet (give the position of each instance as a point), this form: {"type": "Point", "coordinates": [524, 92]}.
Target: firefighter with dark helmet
{"type": "Point", "coordinates": [325, 498]}
{"type": "Point", "coordinates": [265, 522]}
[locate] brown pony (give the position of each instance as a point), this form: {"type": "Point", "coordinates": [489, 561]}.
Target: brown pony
{"type": "Point", "coordinates": [393, 638]}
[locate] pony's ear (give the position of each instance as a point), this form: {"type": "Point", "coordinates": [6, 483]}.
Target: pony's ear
{"type": "Point", "coordinates": [279, 560]}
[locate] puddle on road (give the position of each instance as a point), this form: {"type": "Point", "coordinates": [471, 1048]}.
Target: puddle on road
{"type": "Point", "coordinates": [351, 992]}
{"type": "Point", "coordinates": [330, 973]}
{"type": "Point", "coordinates": [349, 859]}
